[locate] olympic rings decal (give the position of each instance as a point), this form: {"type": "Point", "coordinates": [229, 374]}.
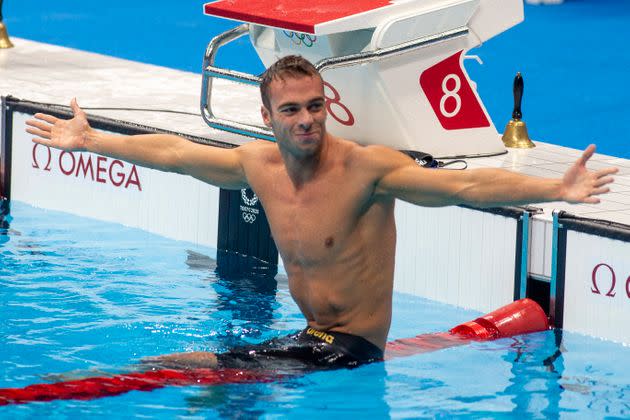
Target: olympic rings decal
{"type": "Point", "coordinates": [248, 217]}
{"type": "Point", "coordinates": [248, 201]}
{"type": "Point", "coordinates": [301, 39]}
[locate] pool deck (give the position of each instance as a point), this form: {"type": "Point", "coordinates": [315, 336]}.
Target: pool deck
{"type": "Point", "coordinates": [50, 74]}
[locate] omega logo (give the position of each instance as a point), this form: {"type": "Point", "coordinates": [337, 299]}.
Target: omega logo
{"type": "Point", "coordinates": [603, 280]}
{"type": "Point", "coordinates": [100, 169]}
{"type": "Point", "coordinates": [35, 160]}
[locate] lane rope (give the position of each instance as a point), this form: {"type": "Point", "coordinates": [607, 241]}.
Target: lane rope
{"type": "Point", "coordinates": [520, 317]}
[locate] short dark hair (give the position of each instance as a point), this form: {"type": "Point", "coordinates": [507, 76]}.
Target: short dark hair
{"type": "Point", "coordinates": [289, 66]}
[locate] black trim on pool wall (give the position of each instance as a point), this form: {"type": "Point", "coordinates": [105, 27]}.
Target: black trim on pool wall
{"type": "Point", "coordinates": [556, 308]}
{"type": "Point", "coordinates": [104, 123]}
{"type": "Point", "coordinates": [596, 227]}
{"type": "Point", "coordinates": [518, 259]}
{"type": "Point", "coordinates": [5, 150]}
{"type": "Point", "coordinates": [513, 212]}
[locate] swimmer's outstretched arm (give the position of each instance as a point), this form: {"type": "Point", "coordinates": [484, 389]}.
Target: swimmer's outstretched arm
{"type": "Point", "coordinates": [493, 187]}
{"type": "Point", "coordinates": [217, 166]}
{"type": "Point", "coordinates": [190, 360]}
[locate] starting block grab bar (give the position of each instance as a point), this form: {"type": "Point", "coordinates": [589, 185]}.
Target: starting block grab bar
{"type": "Point", "coordinates": [210, 71]}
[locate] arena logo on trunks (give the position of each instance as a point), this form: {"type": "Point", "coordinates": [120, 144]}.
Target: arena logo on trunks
{"type": "Point", "coordinates": [321, 335]}
{"type": "Point", "coordinates": [248, 212]}
{"type": "Point", "coordinates": [87, 166]}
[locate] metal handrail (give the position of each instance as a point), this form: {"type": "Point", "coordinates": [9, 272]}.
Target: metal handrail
{"type": "Point", "coordinates": [210, 71]}
{"type": "Point", "coordinates": [393, 51]}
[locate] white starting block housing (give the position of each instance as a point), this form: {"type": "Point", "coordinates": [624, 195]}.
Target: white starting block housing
{"type": "Point", "coordinates": [393, 70]}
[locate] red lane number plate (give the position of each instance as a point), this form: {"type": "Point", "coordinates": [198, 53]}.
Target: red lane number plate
{"type": "Point", "coordinates": [451, 97]}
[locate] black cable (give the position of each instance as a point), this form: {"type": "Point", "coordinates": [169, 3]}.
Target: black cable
{"type": "Point", "coordinates": [106, 123]}
{"type": "Point", "coordinates": [171, 111]}
{"type": "Point", "coordinates": [452, 162]}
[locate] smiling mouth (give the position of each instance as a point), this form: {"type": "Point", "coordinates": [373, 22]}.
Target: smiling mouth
{"type": "Point", "coordinates": [306, 134]}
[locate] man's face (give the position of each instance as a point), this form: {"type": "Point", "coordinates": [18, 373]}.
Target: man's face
{"type": "Point", "coordinates": [297, 115]}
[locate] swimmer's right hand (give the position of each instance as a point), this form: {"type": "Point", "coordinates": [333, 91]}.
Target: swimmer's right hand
{"type": "Point", "coordinates": [62, 134]}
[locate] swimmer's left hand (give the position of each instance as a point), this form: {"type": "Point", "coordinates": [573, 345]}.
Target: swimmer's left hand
{"type": "Point", "coordinates": [579, 185]}
{"type": "Point", "coordinates": [60, 133]}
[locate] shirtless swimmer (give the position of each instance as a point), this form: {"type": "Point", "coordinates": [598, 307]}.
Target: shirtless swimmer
{"type": "Point", "coordinates": [330, 205]}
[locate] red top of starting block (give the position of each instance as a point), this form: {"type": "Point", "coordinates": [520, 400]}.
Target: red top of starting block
{"type": "Point", "coordinates": [315, 17]}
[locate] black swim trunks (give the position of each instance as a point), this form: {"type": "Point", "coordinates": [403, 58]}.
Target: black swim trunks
{"type": "Point", "coordinates": [308, 349]}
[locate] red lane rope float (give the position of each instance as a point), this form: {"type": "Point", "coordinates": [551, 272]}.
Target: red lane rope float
{"type": "Point", "coordinates": [520, 317]}
{"type": "Point", "coordinates": [423, 343]}
{"type": "Point", "coordinates": [97, 387]}
{"type": "Point", "coordinates": [523, 316]}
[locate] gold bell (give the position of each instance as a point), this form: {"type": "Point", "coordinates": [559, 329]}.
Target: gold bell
{"type": "Point", "coordinates": [515, 135]}
{"type": "Point", "coordinates": [5, 42]}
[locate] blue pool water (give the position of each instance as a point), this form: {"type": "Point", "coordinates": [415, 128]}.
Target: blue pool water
{"type": "Point", "coordinates": [573, 57]}
{"type": "Point", "coordinates": [81, 297]}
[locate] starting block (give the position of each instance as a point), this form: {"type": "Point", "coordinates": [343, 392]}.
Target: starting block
{"type": "Point", "coordinates": [393, 69]}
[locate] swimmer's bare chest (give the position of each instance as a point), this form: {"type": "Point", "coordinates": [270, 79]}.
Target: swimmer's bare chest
{"type": "Point", "coordinates": [315, 218]}
{"type": "Point", "coordinates": [313, 224]}
{"type": "Point", "coordinates": [327, 231]}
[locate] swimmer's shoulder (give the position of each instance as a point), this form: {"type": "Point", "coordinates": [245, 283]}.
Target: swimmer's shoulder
{"type": "Point", "coordinates": [378, 158]}
{"type": "Point", "coordinates": [258, 150]}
